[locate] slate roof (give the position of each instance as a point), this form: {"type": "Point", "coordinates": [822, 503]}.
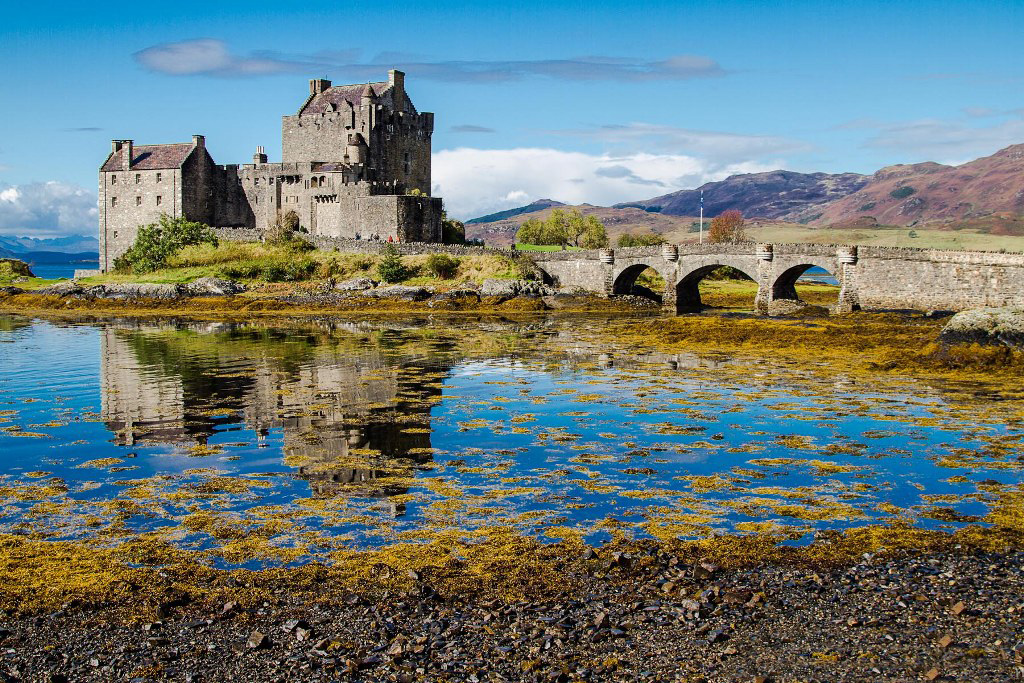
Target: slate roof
{"type": "Point", "coordinates": [153, 157]}
{"type": "Point", "coordinates": [337, 94]}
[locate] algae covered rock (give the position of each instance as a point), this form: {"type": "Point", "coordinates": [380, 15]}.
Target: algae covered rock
{"type": "Point", "coordinates": [782, 307]}
{"type": "Point", "coordinates": [133, 290]}
{"type": "Point", "coordinates": [213, 286]}
{"type": "Point", "coordinates": [9, 290]}
{"type": "Point", "coordinates": [510, 288]}
{"type": "Point", "coordinates": [399, 292]}
{"type": "Point", "coordinates": [986, 326]}
{"type": "Point", "coordinates": [356, 284]}
{"type": "Point", "coordinates": [11, 268]}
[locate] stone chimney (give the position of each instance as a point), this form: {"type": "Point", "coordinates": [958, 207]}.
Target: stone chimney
{"type": "Point", "coordinates": [260, 157]}
{"type": "Point", "coordinates": [199, 141]}
{"type": "Point", "coordinates": [122, 150]}
{"type": "Point", "coordinates": [318, 85]}
{"type": "Point", "coordinates": [396, 79]}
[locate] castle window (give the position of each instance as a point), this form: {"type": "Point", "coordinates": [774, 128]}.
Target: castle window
{"type": "Point", "coordinates": [138, 201]}
{"type": "Point", "coordinates": [113, 201]}
{"type": "Point", "coordinates": [138, 178]}
{"type": "Point", "coordinates": [113, 179]}
{"type": "Point", "coordinates": [159, 177]}
{"type": "Point", "coordinates": [159, 200]}
{"type": "Point", "coordinates": [115, 234]}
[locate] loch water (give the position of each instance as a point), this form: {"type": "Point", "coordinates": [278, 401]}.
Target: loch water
{"type": "Point", "coordinates": [314, 436]}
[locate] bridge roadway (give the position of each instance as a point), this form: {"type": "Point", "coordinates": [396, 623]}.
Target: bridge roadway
{"type": "Point", "coordinates": [870, 278]}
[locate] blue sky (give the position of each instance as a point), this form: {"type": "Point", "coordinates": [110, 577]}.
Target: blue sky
{"type": "Point", "coordinates": [579, 101]}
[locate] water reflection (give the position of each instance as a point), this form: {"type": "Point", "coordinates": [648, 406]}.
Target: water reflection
{"type": "Point", "coordinates": [181, 384]}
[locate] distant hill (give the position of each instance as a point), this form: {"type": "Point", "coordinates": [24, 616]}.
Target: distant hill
{"type": "Point", "coordinates": [73, 244]}
{"type": "Point", "coordinates": [538, 205]}
{"type": "Point", "coordinates": [774, 194]}
{"type": "Point", "coordinates": [56, 257]}
{"type": "Point", "coordinates": [986, 193]}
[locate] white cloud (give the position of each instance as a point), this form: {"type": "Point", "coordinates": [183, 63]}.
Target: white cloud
{"type": "Point", "coordinates": [49, 209]}
{"type": "Point", "coordinates": [475, 182]}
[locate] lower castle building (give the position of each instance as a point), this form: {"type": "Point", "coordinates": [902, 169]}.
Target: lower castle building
{"type": "Point", "coordinates": [355, 165]}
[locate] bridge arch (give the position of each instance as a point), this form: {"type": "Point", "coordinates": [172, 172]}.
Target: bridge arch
{"type": "Point", "coordinates": [626, 279]}
{"type": "Point", "coordinates": [688, 288]}
{"type": "Point", "coordinates": [784, 284]}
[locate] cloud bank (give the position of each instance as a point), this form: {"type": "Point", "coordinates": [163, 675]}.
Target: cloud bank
{"type": "Point", "coordinates": [475, 182]}
{"type": "Point", "coordinates": [950, 141]}
{"type": "Point", "coordinates": [212, 57]}
{"type": "Point", "coordinates": [50, 209]}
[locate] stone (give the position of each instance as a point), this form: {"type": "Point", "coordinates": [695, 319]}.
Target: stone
{"type": "Point", "coordinates": [213, 286]}
{"type": "Point", "coordinates": [1003, 326]}
{"type": "Point", "coordinates": [945, 641]}
{"type": "Point", "coordinates": [398, 292]}
{"type": "Point", "coordinates": [257, 641]}
{"type": "Point", "coordinates": [9, 290]}
{"type": "Point", "coordinates": [12, 267]}
{"type": "Point", "coordinates": [932, 674]}
{"type": "Point", "coordinates": [958, 608]}
{"type": "Point", "coordinates": [135, 290]}
{"type": "Point", "coordinates": [356, 284]}
{"type": "Point", "coordinates": [782, 307]}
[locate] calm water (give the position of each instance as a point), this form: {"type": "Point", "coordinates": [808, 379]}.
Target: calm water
{"type": "Point", "coordinates": [52, 271]}
{"type": "Point", "coordinates": [283, 443]}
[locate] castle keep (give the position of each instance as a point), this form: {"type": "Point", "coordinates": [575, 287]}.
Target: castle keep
{"type": "Point", "coordinates": [355, 165]}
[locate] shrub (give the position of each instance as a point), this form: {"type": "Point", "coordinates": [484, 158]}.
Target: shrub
{"type": "Point", "coordinates": [442, 265]}
{"type": "Point", "coordinates": [902, 192]}
{"type": "Point", "coordinates": [283, 229]}
{"type": "Point", "coordinates": [643, 239]}
{"type": "Point", "coordinates": [867, 207]}
{"type": "Point", "coordinates": [391, 269]}
{"type": "Point", "coordinates": [452, 231]}
{"type": "Point", "coordinates": [157, 242]}
{"type": "Point", "coordinates": [727, 227]}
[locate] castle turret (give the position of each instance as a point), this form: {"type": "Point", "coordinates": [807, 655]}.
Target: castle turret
{"type": "Point", "coordinates": [318, 85]}
{"type": "Point", "coordinates": [368, 96]}
{"type": "Point", "coordinates": [396, 79]}
{"type": "Point", "coordinates": [357, 149]}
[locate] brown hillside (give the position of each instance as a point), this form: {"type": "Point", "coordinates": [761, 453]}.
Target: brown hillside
{"type": "Point", "coordinates": [986, 192]}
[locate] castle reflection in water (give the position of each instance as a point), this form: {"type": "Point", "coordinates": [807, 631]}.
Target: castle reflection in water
{"type": "Point", "coordinates": [336, 393]}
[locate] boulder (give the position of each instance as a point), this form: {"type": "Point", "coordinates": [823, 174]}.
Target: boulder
{"type": "Point", "coordinates": [356, 284]}
{"type": "Point", "coordinates": [212, 286]}
{"type": "Point", "coordinates": [454, 297]}
{"type": "Point", "coordinates": [62, 289]}
{"type": "Point", "coordinates": [10, 291]}
{"type": "Point", "coordinates": [133, 290]}
{"type": "Point", "coordinates": [986, 326]}
{"type": "Point", "coordinates": [399, 292]}
{"type": "Point", "coordinates": [507, 289]}
{"type": "Point", "coordinates": [12, 267]}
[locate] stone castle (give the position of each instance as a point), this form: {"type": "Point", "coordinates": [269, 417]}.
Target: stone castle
{"type": "Point", "coordinates": [355, 165]}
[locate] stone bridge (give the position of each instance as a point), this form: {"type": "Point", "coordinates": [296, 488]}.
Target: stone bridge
{"type": "Point", "coordinates": [870, 278]}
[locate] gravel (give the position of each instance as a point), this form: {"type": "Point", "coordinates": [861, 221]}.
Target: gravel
{"type": "Point", "coordinates": [916, 618]}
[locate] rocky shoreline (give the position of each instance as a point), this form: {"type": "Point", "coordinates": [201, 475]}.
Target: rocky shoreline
{"type": "Point", "coordinates": [358, 294]}
{"type": "Point", "coordinates": [931, 617]}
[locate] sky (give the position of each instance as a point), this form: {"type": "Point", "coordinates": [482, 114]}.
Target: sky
{"type": "Point", "coordinates": [587, 101]}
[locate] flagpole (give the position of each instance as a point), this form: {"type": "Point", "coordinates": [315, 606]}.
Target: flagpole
{"type": "Point", "coordinates": [702, 217]}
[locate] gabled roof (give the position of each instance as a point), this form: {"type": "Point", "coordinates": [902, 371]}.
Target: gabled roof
{"type": "Point", "coordinates": [153, 157]}
{"type": "Point", "coordinates": [336, 95]}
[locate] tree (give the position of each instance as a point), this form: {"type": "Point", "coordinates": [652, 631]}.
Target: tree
{"type": "Point", "coordinates": [391, 269]}
{"type": "Point", "coordinates": [563, 228]}
{"type": "Point", "coordinates": [452, 231]}
{"type": "Point", "coordinates": [594, 235]}
{"type": "Point", "coordinates": [643, 239]}
{"type": "Point", "coordinates": [157, 242]}
{"type": "Point", "coordinates": [728, 226]}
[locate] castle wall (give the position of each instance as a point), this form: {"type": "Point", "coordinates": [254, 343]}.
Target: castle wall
{"type": "Point", "coordinates": [128, 199]}
{"type": "Point", "coordinates": [319, 137]}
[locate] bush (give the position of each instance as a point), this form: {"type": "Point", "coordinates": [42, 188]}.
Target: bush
{"type": "Point", "coordinates": [391, 269]}
{"type": "Point", "coordinates": [283, 229]}
{"type": "Point", "coordinates": [452, 231]}
{"type": "Point", "coordinates": [902, 192]}
{"type": "Point", "coordinates": [271, 270]}
{"type": "Point", "coordinates": [643, 239]}
{"type": "Point", "coordinates": [157, 242]}
{"type": "Point", "coordinates": [442, 265]}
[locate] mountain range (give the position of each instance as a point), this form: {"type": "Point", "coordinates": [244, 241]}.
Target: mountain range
{"type": "Point", "coordinates": [72, 249]}
{"type": "Point", "coordinates": [985, 195]}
